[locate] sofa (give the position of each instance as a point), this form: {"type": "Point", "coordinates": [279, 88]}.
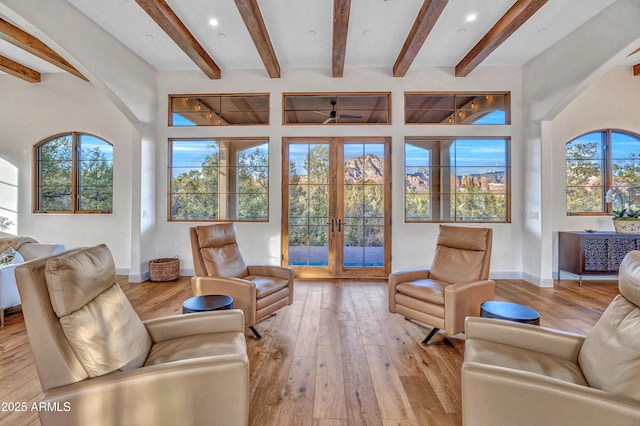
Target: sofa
{"type": "Point", "coordinates": [24, 249]}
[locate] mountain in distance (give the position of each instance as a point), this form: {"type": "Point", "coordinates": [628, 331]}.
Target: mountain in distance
{"type": "Point", "coordinates": [371, 168]}
{"type": "Point", "coordinates": [368, 167]}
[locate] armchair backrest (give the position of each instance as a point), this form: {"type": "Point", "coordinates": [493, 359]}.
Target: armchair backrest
{"type": "Point", "coordinates": [216, 252]}
{"type": "Point", "coordinates": [610, 354]}
{"type": "Point", "coordinates": [79, 322]}
{"type": "Point", "coordinates": [462, 254]}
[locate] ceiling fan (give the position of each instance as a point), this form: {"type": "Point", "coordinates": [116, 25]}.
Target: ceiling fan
{"type": "Point", "coordinates": [333, 115]}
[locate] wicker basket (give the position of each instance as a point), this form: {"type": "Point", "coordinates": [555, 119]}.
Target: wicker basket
{"type": "Point", "coordinates": [164, 269]}
{"type": "Point", "coordinates": [627, 226]}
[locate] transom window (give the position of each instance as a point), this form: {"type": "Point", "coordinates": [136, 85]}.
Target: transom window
{"type": "Point", "coordinates": [457, 108]}
{"type": "Point", "coordinates": [336, 108]}
{"type": "Point", "coordinates": [235, 109]}
{"type": "Point", "coordinates": [457, 180]}
{"type": "Point", "coordinates": [74, 174]}
{"type": "Point", "coordinates": [601, 163]}
{"type": "Point", "coordinates": [219, 179]}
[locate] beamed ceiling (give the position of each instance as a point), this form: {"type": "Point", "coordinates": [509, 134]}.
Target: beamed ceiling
{"type": "Point", "coordinates": [336, 35]}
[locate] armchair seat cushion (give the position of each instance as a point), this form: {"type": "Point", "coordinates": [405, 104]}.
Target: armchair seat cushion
{"type": "Point", "coordinates": [491, 353]}
{"type": "Point", "coordinates": [229, 344]}
{"type": "Point", "coordinates": [426, 289]}
{"type": "Point", "coordinates": [266, 286]}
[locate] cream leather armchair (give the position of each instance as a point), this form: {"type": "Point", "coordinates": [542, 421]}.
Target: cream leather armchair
{"type": "Point", "coordinates": [99, 364]}
{"type": "Point", "coordinates": [452, 288]}
{"type": "Point", "coordinates": [259, 290]}
{"type": "Point", "coordinates": [521, 374]}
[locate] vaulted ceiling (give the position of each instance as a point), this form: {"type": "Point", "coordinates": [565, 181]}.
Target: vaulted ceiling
{"type": "Point", "coordinates": [219, 36]}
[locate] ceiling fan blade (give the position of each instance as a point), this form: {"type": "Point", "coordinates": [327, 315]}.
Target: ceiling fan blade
{"type": "Point", "coordinates": [328, 120]}
{"type": "Point", "coordinates": [349, 116]}
{"type": "Point", "coordinates": [326, 114]}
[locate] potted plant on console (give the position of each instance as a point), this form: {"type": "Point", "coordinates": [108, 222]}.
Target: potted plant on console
{"type": "Point", "coordinates": [626, 221]}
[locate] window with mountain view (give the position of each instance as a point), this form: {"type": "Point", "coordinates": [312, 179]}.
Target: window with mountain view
{"type": "Point", "coordinates": [74, 174]}
{"type": "Point", "coordinates": [219, 179]}
{"type": "Point", "coordinates": [457, 180]}
{"type": "Point", "coordinates": [597, 162]}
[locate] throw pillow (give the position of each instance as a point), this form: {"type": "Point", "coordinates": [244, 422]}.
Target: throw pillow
{"type": "Point", "coordinates": [7, 257]}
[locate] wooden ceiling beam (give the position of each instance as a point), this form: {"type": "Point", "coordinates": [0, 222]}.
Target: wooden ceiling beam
{"type": "Point", "coordinates": [517, 15]}
{"type": "Point", "coordinates": [250, 12]}
{"type": "Point", "coordinates": [18, 70]}
{"type": "Point", "coordinates": [341, 11]}
{"type": "Point", "coordinates": [166, 18]}
{"type": "Point", "coordinates": [422, 26]}
{"type": "Point", "coordinates": [25, 41]}
{"type": "Point", "coordinates": [636, 69]}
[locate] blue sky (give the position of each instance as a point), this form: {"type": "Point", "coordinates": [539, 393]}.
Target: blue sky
{"type": "Point", "coordinates": [469, 156]}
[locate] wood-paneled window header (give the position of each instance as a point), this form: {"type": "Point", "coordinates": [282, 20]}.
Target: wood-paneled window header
{"type": "Point", "coordinates": [336, 108]}
{"type": "Point", "coordinates": [219, 110]}
{"type": "Point", "coordinates": [457, 108]}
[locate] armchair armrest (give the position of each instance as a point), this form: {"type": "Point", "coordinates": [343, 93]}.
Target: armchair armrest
{"type": "Point", "coordinates": [558, 343]}
{"type": "Point", "coordinates": [171, 327]}
{"type": "Point", "coordinates": [271, 271]}
{"type": "Point", "coordinates": [242, 291]}
{"type": "Point", "coordinates": [462, 300]}
{"type": "Point", "coordinates": [494, 395]}
{"type": "Point", "coordinates": [163, 394]}
{"type": "Point", "coordinates": [398, 277]}
{"type": "Point", "coordinates": [30, 251]}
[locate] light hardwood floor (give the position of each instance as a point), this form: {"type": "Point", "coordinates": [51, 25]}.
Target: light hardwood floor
{"type": "Point", "coordinates": [334, 357]}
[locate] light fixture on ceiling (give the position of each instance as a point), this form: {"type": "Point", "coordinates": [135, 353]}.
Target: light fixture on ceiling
{"type": "Point", "coordinates": [366, 32]}
{"type": "Point", "coordinates": [471, 17]}
{"type": "Point", "coordinates": [213, 22]}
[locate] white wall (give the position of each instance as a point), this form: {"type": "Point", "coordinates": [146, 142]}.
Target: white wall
{"type": "Point", "coordinates": [412, 244]}
{"type": "Point", "coordinates": [610, 102]}
{"type": "Point", "coordinates": [64, 103]}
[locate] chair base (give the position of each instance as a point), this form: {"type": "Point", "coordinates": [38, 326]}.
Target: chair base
{"type": "Point", "coordinates": [430, 335]}
{"type": "Point", "coordinates": [255, 332]}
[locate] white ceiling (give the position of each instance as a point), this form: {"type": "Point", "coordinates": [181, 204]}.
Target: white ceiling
{"type": "Point", "coordinates": [301, 32]}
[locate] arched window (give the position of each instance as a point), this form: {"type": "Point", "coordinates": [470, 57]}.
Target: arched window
{"type": "Point", "coordinates": [603, 172]}
{"type": "Point", "coordinates": [73, 174]}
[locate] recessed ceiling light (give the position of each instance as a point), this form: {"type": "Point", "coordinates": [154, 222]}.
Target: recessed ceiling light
{"type": "Point", "coordinates": [366, 32]}
{"type": "Point", "coordinates": [213, 22]}
{"type": "Point", "coordinates": [462, 30]}
{"type": "Point", "coordinates": [222, 35]}
{"type": "Point", "coordinates": [542, 30]}
{"type": "Point", "coordinates": [471, 17]}
{"type": "Point", "coordinates": [312, 32]}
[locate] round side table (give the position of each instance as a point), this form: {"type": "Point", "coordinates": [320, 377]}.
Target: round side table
{"type": "Point", "coordinates": [209, 302]}
{"type": "Point", "coordinates": [509, 311]}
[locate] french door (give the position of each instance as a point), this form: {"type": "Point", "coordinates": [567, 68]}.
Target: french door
{"type": "Point", "coordinates": [337, 206]}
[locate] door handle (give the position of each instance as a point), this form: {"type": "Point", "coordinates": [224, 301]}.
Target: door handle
{"type": "Point", "coordinates": [340, 224]}
{"type": "Point", "coordinates": [331, 223]}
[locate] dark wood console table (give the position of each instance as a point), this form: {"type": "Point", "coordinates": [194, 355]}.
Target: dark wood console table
{"type": "Point", "coordinates": [595, 253]}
